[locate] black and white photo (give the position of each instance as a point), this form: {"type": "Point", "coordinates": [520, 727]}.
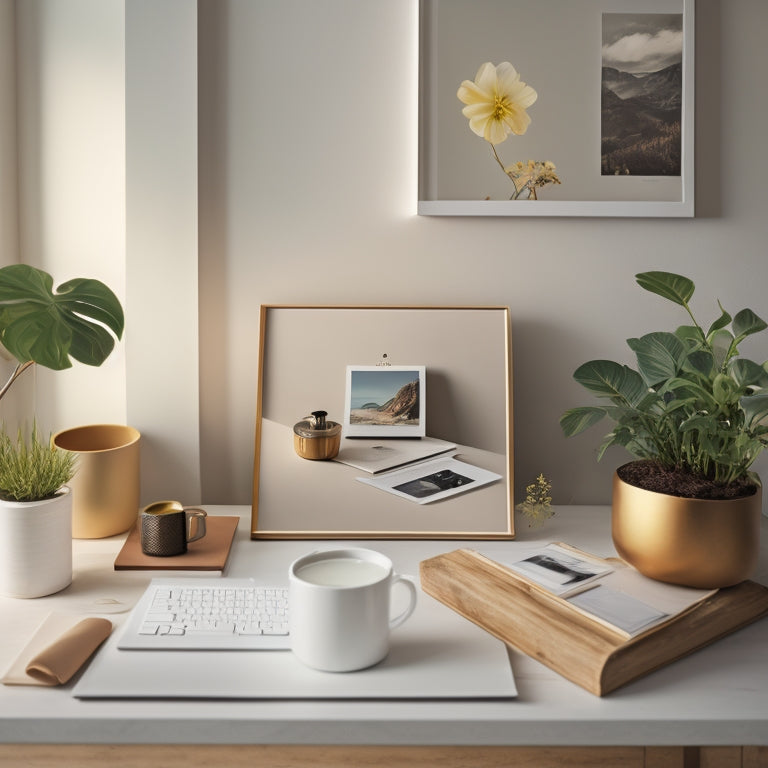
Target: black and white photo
{"type": "Point", "coordinates": [641, 94]}
{"type": "Point", "coordinates": [432, 480]}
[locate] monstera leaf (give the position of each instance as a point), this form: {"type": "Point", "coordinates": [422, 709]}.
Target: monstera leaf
{"type": "Point", "coordinates": [80, 320]}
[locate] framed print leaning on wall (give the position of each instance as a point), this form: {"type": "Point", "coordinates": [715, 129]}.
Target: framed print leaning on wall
{"type": "Point", "coordinates": [556, 108]}
{"type": "Point", "coordinates": [447, 368]}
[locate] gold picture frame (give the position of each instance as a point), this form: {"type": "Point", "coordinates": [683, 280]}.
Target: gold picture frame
{"type": "Point", "coordinates": [303, 354]}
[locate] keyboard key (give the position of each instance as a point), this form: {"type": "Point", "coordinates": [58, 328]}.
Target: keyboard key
{"type": "Point", "coordinates": [233, 614]}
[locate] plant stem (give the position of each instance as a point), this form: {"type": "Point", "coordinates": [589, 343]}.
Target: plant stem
{"type": "Point", "coordinates": [20, 368]}
{"type": "Point", "coordinates": [501, 165]}
{"type": "Point", "coordinates": [498, 160]}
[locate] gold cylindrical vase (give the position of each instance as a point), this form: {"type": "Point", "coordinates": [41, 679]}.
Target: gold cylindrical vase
{"type": "Point", "coordinates": [106, 485]}
{"type": "Point", "coordinates": [702, 543]}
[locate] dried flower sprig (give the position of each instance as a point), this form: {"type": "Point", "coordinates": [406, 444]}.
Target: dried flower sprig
{"type": "Point", "coordinates": [530, 176]}
{"type": "Point", "coordinates": [537, 506]}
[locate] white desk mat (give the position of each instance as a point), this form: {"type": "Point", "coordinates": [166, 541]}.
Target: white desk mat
{"type": "Point", "coordinates": [436, 654]}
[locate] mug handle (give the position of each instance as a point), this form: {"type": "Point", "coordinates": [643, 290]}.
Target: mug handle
{"type": "Point", "coordinates": [192, 513]}
{"type": "Point", "coordinates": [408, 581]}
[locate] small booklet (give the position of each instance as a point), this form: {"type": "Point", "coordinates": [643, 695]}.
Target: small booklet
{"type": "Point", "coordinates": [610, 591]}
{"type": "Point", "coordinates": [432, 480]}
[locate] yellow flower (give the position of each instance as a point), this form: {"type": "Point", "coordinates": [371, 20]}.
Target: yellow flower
{"type": "Point", "coordinates": [496, 102]}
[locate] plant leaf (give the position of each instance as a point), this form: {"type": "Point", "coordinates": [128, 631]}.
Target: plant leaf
{"type": "Point", "coordinates": [608, 379]}
{"type": "Point", "coordinates": [691, 336]}
{"type": "Point", "coordinates": [701, 361]}
{"type": "Point", "coordinates": [721, 321]}
{"type": "Point", "coordinates": [746, 323]}
{"type": "Point", "coordinates": [747, 373]}
{"type": "Point", "coordinates": [32, 336]}
{"type": "Point", "coordinates": [723, 389]}
{"type": "Point", "coordinates": [92, 299]}
{"type": "Point", "coordinates": [576, 420]}
{"type": "Point", "coordinates": [692, 393]}
{"type": "Point", "coordinates": [47, 327]}
{"type": "Point", "coordinates": [722, 346]}
{"type": "Point", "coordinates": [668, 285]}
{"type": "Point", "coordinates": [660, 356]}
{"type": "Point", "coordinates": [755, 408]}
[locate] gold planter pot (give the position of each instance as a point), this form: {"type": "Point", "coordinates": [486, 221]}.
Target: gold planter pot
{"type": "Point", "coordinates": [693, 542]}
{"type": "Point", "coordinates": [105, 488]}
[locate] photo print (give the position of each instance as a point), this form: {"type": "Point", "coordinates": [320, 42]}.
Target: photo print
{"type": "Point", "coordinates": [385, 401]}
{"type": "Point", "coordinates": [641, 94]}
{"type": "Point", "coordinates": [559, 570]}
{"type": "Point", "coordinates": [434, 480]}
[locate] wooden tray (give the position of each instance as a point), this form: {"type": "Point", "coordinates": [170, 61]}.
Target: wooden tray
{"type": "Point", "coordinates": [550, 630]}
{"type": "Point", "coordinates": [207, 554]}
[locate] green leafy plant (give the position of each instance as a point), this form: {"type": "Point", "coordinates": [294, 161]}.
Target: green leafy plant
{"type": "Point", "coordinates": [80, 320]}
{"type": "Point", "coordinates": [32, 470]}
{"type": "Point", "coordinates": [693, 404]}
{"type": "Point", "coordinates": [537, 507]}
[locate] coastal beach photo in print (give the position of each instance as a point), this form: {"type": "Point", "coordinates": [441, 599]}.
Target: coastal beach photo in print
{"type": "Point", "coordinates": [385, 401]}
{"type": "Point", "coordinates": [641, 94]}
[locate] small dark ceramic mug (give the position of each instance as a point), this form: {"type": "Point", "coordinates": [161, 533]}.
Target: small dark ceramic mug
{"type": "Point", "coordinates": [166, 528]}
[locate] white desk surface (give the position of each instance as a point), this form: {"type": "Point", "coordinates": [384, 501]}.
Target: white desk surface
{"type": "Point", "coordinates": [716, 696]}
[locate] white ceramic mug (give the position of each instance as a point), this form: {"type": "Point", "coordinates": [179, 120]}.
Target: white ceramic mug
{"type": "Point", "coordinates": [339, 606]}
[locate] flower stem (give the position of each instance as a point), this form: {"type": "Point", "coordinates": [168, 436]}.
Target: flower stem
{"type": "Point", "coordinates": [501, 165]}
{"type": "Point", "coordinates": [20, 368]}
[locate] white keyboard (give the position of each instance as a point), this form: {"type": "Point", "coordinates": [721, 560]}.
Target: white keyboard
{"type": "Point", "coordinates": [201, 614]}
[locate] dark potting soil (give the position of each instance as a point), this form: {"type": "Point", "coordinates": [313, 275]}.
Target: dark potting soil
{"type": "Point", "coordinates": [652, 476]}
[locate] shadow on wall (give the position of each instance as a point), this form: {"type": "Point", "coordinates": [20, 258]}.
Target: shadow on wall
{"type": "Point", "coordinates": [544, 358]}
{"type": "Point", "coordinates": [709, 47]}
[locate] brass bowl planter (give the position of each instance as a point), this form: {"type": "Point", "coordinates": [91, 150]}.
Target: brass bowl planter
{"type": "Point", "coordinates": [692, 542]}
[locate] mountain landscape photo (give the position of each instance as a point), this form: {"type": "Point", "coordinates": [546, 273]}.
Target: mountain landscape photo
{"type": "Point", "coordinates": [641, 106]}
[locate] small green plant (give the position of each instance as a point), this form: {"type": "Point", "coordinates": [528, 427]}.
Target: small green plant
{"type": "Point", "coordinates": [31, 470]}
{"type": "Point", "coordinates": [79, 320]}
{"type": "Point", "coordinates": [537, 507]}
{"type": "Point", "coordinates": [693, 404]}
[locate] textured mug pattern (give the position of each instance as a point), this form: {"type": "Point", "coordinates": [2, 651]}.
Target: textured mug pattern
{"type": "Point", "coordinates": [167, 533]}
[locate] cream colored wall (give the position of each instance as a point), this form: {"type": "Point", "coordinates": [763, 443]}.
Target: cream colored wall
{"type": "Point", "coordinates": [307, 159]}
{"type": "Point", "coordinates": [162, 244]}
{"type": "Point", "coordinates": [307, 195]}
{"type": "Point", "coordinates": [71, 191]}
{"type": "Point", "coordinates": [16, 401]}
{"type": "Point", "coordinates": [107, 152]}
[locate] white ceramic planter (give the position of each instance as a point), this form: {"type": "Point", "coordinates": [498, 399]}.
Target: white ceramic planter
{"type": "Point", "coordinates": [36, 546]}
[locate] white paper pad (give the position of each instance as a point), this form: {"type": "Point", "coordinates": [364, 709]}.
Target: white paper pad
{"type": "Point", "coordinates": [436, 654]}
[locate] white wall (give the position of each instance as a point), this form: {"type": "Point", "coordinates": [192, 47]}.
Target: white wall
{"type": "Point", "coordinates": [308, 131]}
{"type": "Point", "coordinates": [16, 401]}
{"type": "Point", "coordinates": [71, 193]}
{"type": "Point", "coordinates": [9, 234]}
{"type": "Point", "coordinates": [161, 244]}
{"type": "Point", "coordinates": [307, 126]}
